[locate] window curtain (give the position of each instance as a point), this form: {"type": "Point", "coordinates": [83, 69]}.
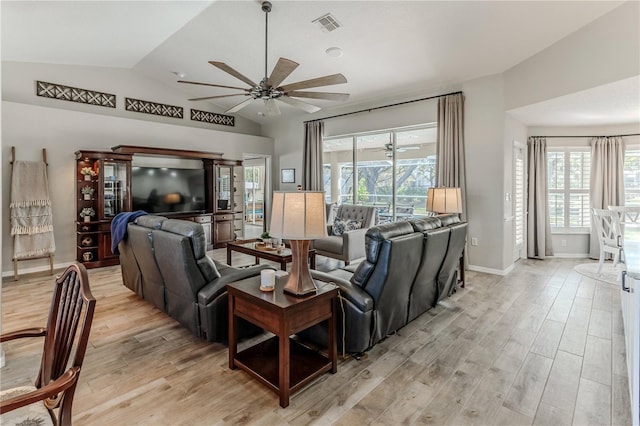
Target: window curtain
{"type": "Point", "coordinates": [539, 243]}
{"type": "Point", "coordinates": [606, 185]}
{"type": "Point", "coordinates": [312, 179]}
{"type": "Point", "coordinates": [450, 161]}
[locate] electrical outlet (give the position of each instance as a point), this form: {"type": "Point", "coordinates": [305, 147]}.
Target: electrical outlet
{"type": "Point", "coordinates": [474, 241]}
{"type": "Point", "coordinates": [563, 243]}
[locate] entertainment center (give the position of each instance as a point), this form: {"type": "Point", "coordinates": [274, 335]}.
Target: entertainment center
{"type": "Point", "coordinates": [110, 182]}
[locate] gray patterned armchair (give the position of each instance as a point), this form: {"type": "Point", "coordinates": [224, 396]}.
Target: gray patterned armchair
{"type": "Point", "coordinates": [348, 246]}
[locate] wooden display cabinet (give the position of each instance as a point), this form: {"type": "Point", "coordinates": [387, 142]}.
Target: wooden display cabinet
{"type": "Point", "coordinates": [102, 191]}
{"type": "Point", "coordinates": [227, 201]}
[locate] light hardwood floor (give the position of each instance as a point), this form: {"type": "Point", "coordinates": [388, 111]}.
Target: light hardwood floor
{"type": "Point", "coordinates": [542, 345]}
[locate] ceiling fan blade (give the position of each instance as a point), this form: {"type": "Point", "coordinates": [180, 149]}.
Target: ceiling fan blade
{"type": "Point", "coordinates": [299, 104]}
{"type": "Point", "coordinates": [327, 80]}
{"type": "Point", "coordinates": [320, 95]}
{"type": "Point", "coordinates": [212, 85]}
{"type": "Point", "coordinates": [239, 106]}
{"type": "Point", "coordinates": [226, 68]}
{"type": "Point", "coordinates": [218, 96]}
{"type": "Point", "coordinates": [281, 71]}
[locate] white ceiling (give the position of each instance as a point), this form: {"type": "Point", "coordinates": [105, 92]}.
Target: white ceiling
{"type": "Point", "coordinates": [389, 47]}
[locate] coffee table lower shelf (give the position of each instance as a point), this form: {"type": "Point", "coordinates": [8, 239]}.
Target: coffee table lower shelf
{"type": "Point", "coordinates": [261, 362]}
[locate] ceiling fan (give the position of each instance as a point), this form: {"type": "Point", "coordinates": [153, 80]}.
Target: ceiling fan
{"type": "Point", "coordinates": [388, 149]}
{"type": "Point", "coordinates": [269, 88]}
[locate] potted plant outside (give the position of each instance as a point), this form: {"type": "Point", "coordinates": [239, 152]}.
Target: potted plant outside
{"type": "Point", "coordinates": [87, 213]}
{"type": "Point", "coordinates": [87, 191]}
{"type": "Point", "coordinates": [87, 172]}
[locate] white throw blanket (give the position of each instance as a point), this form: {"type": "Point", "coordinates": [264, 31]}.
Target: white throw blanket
{"type": "Point", "coordinates": [31, 218]}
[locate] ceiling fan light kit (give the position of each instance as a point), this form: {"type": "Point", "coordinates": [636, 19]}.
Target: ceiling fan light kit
{"type": "Point", "coordinates": [269, 89]}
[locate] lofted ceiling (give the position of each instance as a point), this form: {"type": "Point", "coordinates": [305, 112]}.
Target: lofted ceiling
{"type": "Point", "coordinates": [389, 47]}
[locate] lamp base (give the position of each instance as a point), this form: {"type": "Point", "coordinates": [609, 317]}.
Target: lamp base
{"type": "Point", "coordinates": [300, 283]}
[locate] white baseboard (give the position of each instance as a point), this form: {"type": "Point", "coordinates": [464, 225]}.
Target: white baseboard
{"type": "Point", "coordinates": [490, 270]}
{"type": "Point", "coordinates": [571, 255]}
{"type": "Point", "coordinates": [42, 268]}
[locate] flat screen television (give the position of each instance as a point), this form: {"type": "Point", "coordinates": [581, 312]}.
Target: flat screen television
{"type": "Point", "coordinates": [168, 190]}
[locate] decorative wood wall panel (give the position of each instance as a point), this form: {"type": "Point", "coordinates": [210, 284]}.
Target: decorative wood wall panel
{"type": "Point", "coordinates": [75, 94]}
{"type": "Point", "coordinates": [154, 108]}
{"type": "Point", "coordinates": [212, 117]}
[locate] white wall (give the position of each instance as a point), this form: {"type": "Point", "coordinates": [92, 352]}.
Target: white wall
{"type": "Point", "coordinates": [604, 51]}
{"type": "Point", "coordinates": [62, 132]}
{"type": "Point", "coordinates": [484, 136]}
{"type": "Point", "coordinates": [575, 244]}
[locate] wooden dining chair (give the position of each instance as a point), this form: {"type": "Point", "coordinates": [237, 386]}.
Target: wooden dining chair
{"type": "Point", "coordinates": [626, 215]}
{"type": "Point", "coordinates": [66, 335]}
{"type": "Point", "coordinates": [609, 235]}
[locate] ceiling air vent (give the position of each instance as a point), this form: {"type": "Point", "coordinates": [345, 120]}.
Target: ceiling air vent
{"type": "Point", "coordinates": [327, 23]}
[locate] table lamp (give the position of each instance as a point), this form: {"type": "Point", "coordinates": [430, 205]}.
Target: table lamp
{"type": "Point", "coordinates": [444, 200]}
{"type": "Point", "coordinates": [298, 216]}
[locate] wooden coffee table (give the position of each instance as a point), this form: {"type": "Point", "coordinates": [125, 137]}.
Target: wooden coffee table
{"type": "Point", "coordinates": [249, 247]}
{"type": "Point", "coordinates": [281, 363]}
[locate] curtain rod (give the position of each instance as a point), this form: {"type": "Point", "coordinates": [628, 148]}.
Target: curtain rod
{"type": "Point", "coordinates": [383, 106]}
{"type": "Point", "coordinates": [597, 136]}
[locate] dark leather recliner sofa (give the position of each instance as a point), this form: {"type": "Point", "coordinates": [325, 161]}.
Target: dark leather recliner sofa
{"type": "Point", "coordinates": [164, 261]}
{"type": "Point", "coordinates": [409, 267]}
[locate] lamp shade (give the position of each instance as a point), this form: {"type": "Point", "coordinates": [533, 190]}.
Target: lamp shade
{"type": "Point", "coordinates": [444, 200]}
{"type": "Point", "coordinates": [298, 215]}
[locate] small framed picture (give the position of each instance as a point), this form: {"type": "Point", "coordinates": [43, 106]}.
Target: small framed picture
{"type": "Point", "coordinates": [288, 175]}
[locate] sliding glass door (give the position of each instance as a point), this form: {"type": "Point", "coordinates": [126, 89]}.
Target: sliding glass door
{"type": "Point", "coordinates": [393, 170]}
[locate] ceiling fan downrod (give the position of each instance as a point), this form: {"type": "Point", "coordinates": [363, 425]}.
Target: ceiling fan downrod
{"type": "Point", "coordinates": [266, 8]}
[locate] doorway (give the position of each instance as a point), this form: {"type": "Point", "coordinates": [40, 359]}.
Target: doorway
{"type": "Point", "coordinates": [255, 187]}
{"type": "Point", "coordinates": [519, 197]}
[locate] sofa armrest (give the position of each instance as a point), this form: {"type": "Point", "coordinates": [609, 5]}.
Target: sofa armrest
{"type": "Point", "coordinates": [227, 275]}
{"type": "Point", "coordinates": [354, 294]}
{"type": "Point", "coordinates": [353, 243]}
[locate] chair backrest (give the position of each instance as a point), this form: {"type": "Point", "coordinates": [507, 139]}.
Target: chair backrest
{"type": "Point", "coordinates": [448, 274]}
{"type": "Point", "coordinates": [180, 252]}
{"type": "Point", "coordinates": [424, 294]}
{"type": "Point", "coordinates": [627, 214]}
{"type": "Point", "coordinates": [141, 242]}
{"type": "Point", "coordinates": [366, 214]}
{"type": "Point", "coordinates": [67, 335]}
{"type": "Point", "coordinates": [393, 252]}
{"type": "Point", "coordinates": [607, 225]}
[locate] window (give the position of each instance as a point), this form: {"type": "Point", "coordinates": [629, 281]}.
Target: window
{"type": "Point", "coordinates": [388, 169]}
{"type": "Point", "coordinates": [568, 172]}
{"type": "Point", "coordinates": [632, 177]}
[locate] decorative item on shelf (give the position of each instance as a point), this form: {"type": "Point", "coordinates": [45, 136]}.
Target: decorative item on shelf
{"type": "Point", "coordinates": [444, 200]}
{"type": "Point", "coordinates": [87, 256]}
{"type": "Point", "coordinates": [87, 192]}
{"type": "Point", "coordinates": [87, 242]}
{"type": "Point", "coordinates": [299, 217]}
{"type": "Point", "coordinates": [87, 172]}
{"type": "Point", "coordinates": [87, 213]}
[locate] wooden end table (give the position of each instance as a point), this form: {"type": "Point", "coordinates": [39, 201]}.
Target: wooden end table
{"type": "Point", "coordinates": [249, 247]}
{"type": "Point", "coordinates": [281, 363]}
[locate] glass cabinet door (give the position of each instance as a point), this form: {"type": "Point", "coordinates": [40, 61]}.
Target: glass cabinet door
{"type": "Point", "coordinates": [115, 186]}
{"type": "Point", "coordinates": [223, 187]}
